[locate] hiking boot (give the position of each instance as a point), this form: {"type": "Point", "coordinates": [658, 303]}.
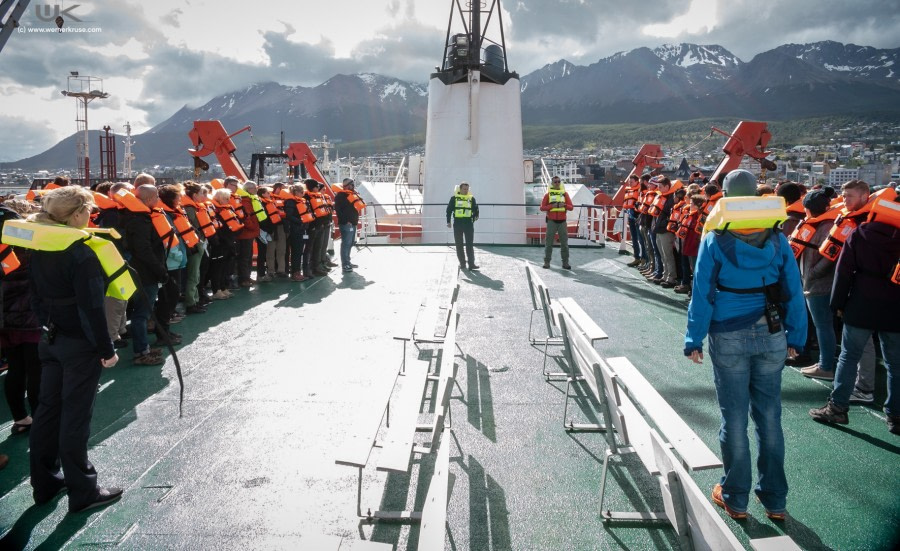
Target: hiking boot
{"type": "Point", "coordinates": [893, 423]}
{"type": "Point", "coordinates": [681, 289]}
{"type": "Point", "coordinates": [567, 267]}
{"type": "Point", "coordinates": [347, 268]}
{"type": "Point", "coordinates": [298, 277]}
{"type": "Point", "coordinates": [813, 372]}
{"type": "Point", "coordinates": [717, 499]}
{"type": "Point", "coordinates": [860, 397]}
{"type": "Point", "coordinates": [830, 413]}
{"type": "Point", "coordinates": [546, 264]}
{"type": "Point", "coordinates": [633, 263]}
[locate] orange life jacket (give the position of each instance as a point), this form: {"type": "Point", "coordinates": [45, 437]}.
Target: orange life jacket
{"type": "Point", "coordinates": [799, 238]}
{"type": "Point", "coordinates": [228, 217]}
{"type": "Point", "coordinates": [9, 262]}
{"type": "Point", "coordinates": [887, 211]}
{"type": "Point", "coordinates": [304, 209]}
{"type": "Point", "coordinates": [687, 222]}
{"type": "Point", "coordinates": [182, 225]}
{"type": "Point", "coordinates": [318, 203]}
{"type": "Point", "coordinates": [271, 210]}
{"type": "Point", "coordinates": [631, 196]}
{"type": "Point", "coordinates": [656, 207]}
{"type": "Point", "coordinates": [35, 193]}
{"type": "Point", "coordinates": [238, 207]}
{"type": "Point", "coordinates": [161, 224]}
{"type": "Point", "coordinates": [206, 225]}
{"type": "Point", "coordinates": [649, 197]}
{"type": "Point", "coordinates": [704, 212]}
{"type": "Point", "coordinates": [103, 201]}
{"type": "Point", "coordinates": [355, 200]}
{"type": "Point", "coordinates": [675, 218]}
{"type": "Point", "coordinates": [847, 222]}
{"type": "Point", "coordinates": [796, 206]}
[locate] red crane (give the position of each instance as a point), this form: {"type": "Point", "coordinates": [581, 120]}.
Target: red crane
{"type": "Point", "coordinates": [748, 138]}
{"type": "Point", "coordinates": [648, 156]}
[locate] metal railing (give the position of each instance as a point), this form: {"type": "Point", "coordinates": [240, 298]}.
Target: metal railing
{"type": "Point", "coordinates": [589, 226]}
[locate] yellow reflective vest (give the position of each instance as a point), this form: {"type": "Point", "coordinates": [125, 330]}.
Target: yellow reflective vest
{"type": "Point", "coordinates": [463, 206]}
{"type": "Point", "coordinates": [744, 213]}
{"type": "Point", "coordinates": [55, 238]}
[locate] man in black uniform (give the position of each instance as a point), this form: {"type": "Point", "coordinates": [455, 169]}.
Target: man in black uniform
{"type": "Point", "coordinates": [464, 211]}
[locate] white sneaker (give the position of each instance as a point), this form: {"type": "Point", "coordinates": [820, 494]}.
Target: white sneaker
{"type": "Point", "coordinates": [860, 397]}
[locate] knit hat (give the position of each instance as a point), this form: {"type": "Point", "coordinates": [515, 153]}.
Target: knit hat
{"type": "Point", "coordinates": [739, 183]}
{"type": "Point", "coordinates": [818, 200]}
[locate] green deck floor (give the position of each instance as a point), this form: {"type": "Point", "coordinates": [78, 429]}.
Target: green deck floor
{"type": "Point", "coordinates": [272, 377]}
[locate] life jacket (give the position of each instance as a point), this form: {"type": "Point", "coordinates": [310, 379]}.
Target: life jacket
{"type": "Point", "coordinates": [704, 212]}
{"type": "Point", "coordinates": [318, 204]}
{"type": "Point", "coordinates": [886, 211]}
{"type": "Point", "coordinates": [37, 193]}
{"type": "Point", "coordinates": [258, 210]}
{"type": "Point", "coordinates": [206, 224]}
{"type": "Point", "coordinates": [238, 207]}
{"type": "Point", "coordinates": [182, 225]}
{"type": "Point", "coordinates": [649, 197]}
{"type": "Point", "coordinates": [796, 207]}
{"type": "Point", "coordinates": [847, 222]}
{"type": "Point", "coordinates": [211, 212]}
{"type": "Point", "coordinates": [557, 196]}
{"type": "Point", "coordinates": [687, 223]}
{"type": "Point", "coordinates": [463, 208]}
{"type": "Point", "coordinates": [161, 224]}
{"type": "Point", "coordinates": [9, 262]}
{"type": "Point", "coordinates": [271, 210]}
{"type": "Point", "coordinates": [742, 213]}
{"type": "Point", "coordinates": [304, 209]}
{"type": "Point", "coordinates": [53, 238]}
{"type": "Point", "coordinates": [355, 200]}
{"type": "Point", "coordinates": [678, 213]}
{"type": "Point", "coordinates": [227, 215]}
{"type": "Point", "coordinates": [656, 207]}
{"type": "Point", "coordinates": [799, 238]}
{"type": "Point", "coordinates": [631, 196]}
{"type": "Point", "coordinates": [103, 201]}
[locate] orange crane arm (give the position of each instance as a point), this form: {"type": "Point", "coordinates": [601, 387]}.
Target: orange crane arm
{"type": "Point", "coordinates": [648, 156]}
{"type": "Point", "coordinates": [299, 153]}
{"type": "Point", "coordinates": [748, 138]}
{"type": "Point", "coordinates": [210, 137]}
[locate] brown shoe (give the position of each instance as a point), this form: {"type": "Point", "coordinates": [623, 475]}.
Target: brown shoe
{"type": "Point", "coordinates": [148, 359]}
{"type": "Point", "coordinates": [4, 460]}
{"type": "Point", "coordinates": [813, 372]}
{"type": "Point", "coordinates": [717, 499]}
{"type": "Point", "coordinates": [298, 277]}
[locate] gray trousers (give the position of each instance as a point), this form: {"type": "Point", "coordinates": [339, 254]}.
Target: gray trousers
{"type": "Point", "coordinates": [115, 316]}
{"type": "Point", "coordinates": [555, 228]}
{"type": "Point", "coordinates": [275, 253]}
{"type": "Point", "coordinates": [665, 242]}
{"type": "Point", "coordinates": [865, 375]}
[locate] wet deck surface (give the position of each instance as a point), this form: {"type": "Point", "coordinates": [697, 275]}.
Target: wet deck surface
{"type": "Point", "coordinates": [273, 378]}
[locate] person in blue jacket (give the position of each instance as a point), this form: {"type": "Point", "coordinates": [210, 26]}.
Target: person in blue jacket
{"type": "Point", "coordinates": [729, 304]}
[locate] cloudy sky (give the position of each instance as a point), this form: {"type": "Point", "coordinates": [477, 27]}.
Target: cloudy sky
{"type": "Point", "coordinates": [156, 57]}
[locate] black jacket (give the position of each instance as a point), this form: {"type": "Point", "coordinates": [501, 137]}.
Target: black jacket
{"type": "Point", "coordinates": [346, 212]}
{"type": "Point", "coordinates": [862, 286]}
{"type": "Point", "coordinates": [144, 249]}
{"type": "Point", "coordinates": [661, 221]}
{"type": "Point", "coordinates": [68, 289]}
{"type": "Point", "coordinates": [451, 210]}
{"type": "Point", "coordinates": [292, 215]}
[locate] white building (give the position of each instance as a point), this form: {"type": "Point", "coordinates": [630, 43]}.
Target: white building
{"type": "Point", "coordinates": [839, 175]}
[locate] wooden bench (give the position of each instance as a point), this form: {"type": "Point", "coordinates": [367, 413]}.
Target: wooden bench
{"type": "Point", "coordinates": [399, 447]}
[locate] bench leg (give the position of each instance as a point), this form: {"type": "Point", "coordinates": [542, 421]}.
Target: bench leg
{"type": "Point", "coordinates": [568, 425]}
{"type": "Point", "coordinates": [608, 515]}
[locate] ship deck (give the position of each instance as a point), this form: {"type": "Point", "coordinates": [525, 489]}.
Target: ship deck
{"type": "Point", "coordinates": [272, 378]}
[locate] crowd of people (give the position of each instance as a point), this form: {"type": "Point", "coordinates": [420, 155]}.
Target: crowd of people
{"type": "Point", "coordinates": [767, 283]}
{"type": "Point", "coordinates": [67, 311]}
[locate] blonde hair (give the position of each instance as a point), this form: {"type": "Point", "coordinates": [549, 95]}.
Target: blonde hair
{"type": "Point", "coordinates": [222, 195]}
{"type": "Point", "coordinates": [58, 205]}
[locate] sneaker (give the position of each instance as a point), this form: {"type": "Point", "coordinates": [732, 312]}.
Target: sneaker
{"type": "Point", "coordinates": [860, 397]}
{"type": "Point", "coordinates": [633, 263]}
{"type": "Point", "coordinates": [813, 372]}
{"type": "Point", "coordinates": [220, 295]}
{"type": "Point", "coordinates": [474, 266]}
{"type": "Point", "coordinates": [546, 265]}
{"type": "Point", "coordinates": [298, 277]}
{"type": "Point", "coordinates": [567, 267]}
{"type": "Point", "coordinates": [331, 263]}
{"type": "Point", "coordinates": [681, 289]}
{"type": "Point", "coordinates": [347, 269]}
{"type": "Point", "coordinates": [777, 517]}
{"type": "Point", "coordinates": [352, 265]}
{"type": "Point", "coordinates": [717, 499]}
{"type": "Point", "coordinates": [656, 280]}
{"type": "Point", "coordinates": [227, 293]}
{"type": "Point", "coordinates": [830, 413]}
{"type": "Point", "coordinates": [667, 284]}
{"type": "Point", "coordinates": [893, 423]}
{"type": "Point", "coordinates": [195, 309]}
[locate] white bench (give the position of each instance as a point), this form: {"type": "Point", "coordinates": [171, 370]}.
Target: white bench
{"type": "Point", "coordinates": [398, 446]}
{"type": "Point", "coordinates": [432, 317]}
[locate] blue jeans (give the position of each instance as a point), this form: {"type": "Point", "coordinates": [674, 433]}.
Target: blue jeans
{"type": "Point", "coordinates": [637, 240]}
{"type": "Point", "coordinates": [139, 340]}
{"type": "Point", "coordinates": [823, 319]}
{"type": "Point", "coordinates": [348, 238]}
{"type": "Point", "coordinates": [747, 366]}
{"type": "Point", "coordinates": [853, 340]}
